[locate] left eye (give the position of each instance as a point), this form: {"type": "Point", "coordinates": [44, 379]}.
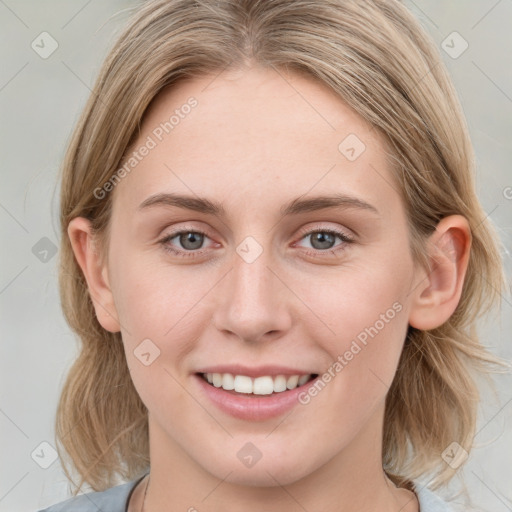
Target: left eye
{"type": "Point", "coordinates": [323, 239]}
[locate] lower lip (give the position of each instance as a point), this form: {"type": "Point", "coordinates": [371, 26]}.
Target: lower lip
{"type": "Point", "coordinates": [251, 407]}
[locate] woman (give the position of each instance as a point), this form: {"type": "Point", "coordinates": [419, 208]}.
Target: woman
{"type": "Point", "coordinates": [233, 155]}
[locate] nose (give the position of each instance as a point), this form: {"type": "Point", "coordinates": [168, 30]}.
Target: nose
{"type": "Point", "coordinates": [253, 303]}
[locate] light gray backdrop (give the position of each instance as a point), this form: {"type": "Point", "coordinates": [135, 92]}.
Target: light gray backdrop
{"type": "Point", "coordinates": [41, 95]}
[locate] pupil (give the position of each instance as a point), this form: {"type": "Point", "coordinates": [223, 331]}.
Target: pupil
{"type": "Point", "coordinates": [325, 239]}
{"type": "Point", "coordinates": [191, 240]}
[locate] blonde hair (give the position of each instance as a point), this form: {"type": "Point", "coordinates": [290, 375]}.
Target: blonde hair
{"type": "Point", "coordinates": [375, 55]}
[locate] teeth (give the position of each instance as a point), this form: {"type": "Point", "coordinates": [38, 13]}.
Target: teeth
{"type": "Point", "coordinates": [217, 380]}
{"type": "Point", "coordinates": [279, 384]}
{"type": "Point", "coordinates": [243, 384]}
{"type": "Point", "coordinates": [303, 379]}
{"type": "Point", "coordinates": [265, 385]}
{"type": "Point", "coordinates": [228, 381]}
{"type": "Point", "coordinates": [292, 382]}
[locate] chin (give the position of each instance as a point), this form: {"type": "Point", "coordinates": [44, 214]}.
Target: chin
{"type": "Point", "coordinates": [269, 471]}
{"type": "Point", "coordinates": [265, 476]}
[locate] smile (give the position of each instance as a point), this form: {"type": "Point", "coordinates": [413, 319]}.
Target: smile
{"type": "Point", "coordinates": [264, 385]}
{"type": "Point", "coordinates": [264, 394]}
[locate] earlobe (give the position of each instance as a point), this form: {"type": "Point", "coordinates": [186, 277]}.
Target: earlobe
{"type": "Point", "coordinates": [95, 272]}
{"type": "Point", "coordinates": [437, 292]}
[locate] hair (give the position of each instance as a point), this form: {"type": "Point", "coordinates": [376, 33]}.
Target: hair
{"type": "Point", "coordinates": [377, 57]}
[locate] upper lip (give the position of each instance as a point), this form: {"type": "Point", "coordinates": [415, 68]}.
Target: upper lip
{"type": "Point", "coordinates": [256, 371]}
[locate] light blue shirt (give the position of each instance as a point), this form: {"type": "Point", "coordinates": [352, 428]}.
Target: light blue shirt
{"type": "Point", "coordinates": [116, 499]}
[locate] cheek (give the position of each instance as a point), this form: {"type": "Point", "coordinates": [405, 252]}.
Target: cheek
{"type": "Point", "coordinates": [365, 309]}
{"type": "Point", "coordinates": [360, 297]}
{"type": "Point", "coordinates": [158, 323]}
{"type": "Point", "coordinates": [154, 299]}
{"type": "Point", "coordinates": [160, 313]}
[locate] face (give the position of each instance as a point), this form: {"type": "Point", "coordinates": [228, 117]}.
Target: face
{"type": "Point", "coordinates": [250, 273]}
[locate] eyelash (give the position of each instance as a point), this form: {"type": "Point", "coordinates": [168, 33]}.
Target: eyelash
{"type": "Point", "coordinates": [193, 254]}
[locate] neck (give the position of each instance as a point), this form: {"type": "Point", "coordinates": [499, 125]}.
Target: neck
{"type": "Point", "coordinates": [352, 480]}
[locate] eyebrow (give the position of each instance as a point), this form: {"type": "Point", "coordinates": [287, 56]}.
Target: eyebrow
{"type": "Point", "coordinates": [294, 207]}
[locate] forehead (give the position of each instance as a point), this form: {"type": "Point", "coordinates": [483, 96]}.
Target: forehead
{"type": "Point", "coordinates": [257, 134]}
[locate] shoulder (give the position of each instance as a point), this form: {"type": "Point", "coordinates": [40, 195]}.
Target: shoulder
{"type": "Point", "coordinates": [114, 499]}
{"type": "Point", "coordinates": [431, 502]}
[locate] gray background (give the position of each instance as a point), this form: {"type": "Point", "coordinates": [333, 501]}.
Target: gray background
{"type": "Point", "coordinates": [40, 100]}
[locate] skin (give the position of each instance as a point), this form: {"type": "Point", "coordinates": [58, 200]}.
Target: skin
{"type": "Point", "coordinates": [256, 140]}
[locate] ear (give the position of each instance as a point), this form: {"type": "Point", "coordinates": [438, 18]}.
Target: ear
{"type": "Point", "coordinates": [95, 272]}
{"type": "Point", "coordinates": [437, 291]}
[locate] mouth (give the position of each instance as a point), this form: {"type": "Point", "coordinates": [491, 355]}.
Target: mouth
{"type": "Point", "coordinates": [254, 394]}
{"type": "Point", "coordinates": [265, 385]}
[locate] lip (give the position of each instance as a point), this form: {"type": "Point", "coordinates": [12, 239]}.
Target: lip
{"type": "Point", "coordinates": [260, 371]}
{"type": "Point", "coordinates": [252, 407]}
